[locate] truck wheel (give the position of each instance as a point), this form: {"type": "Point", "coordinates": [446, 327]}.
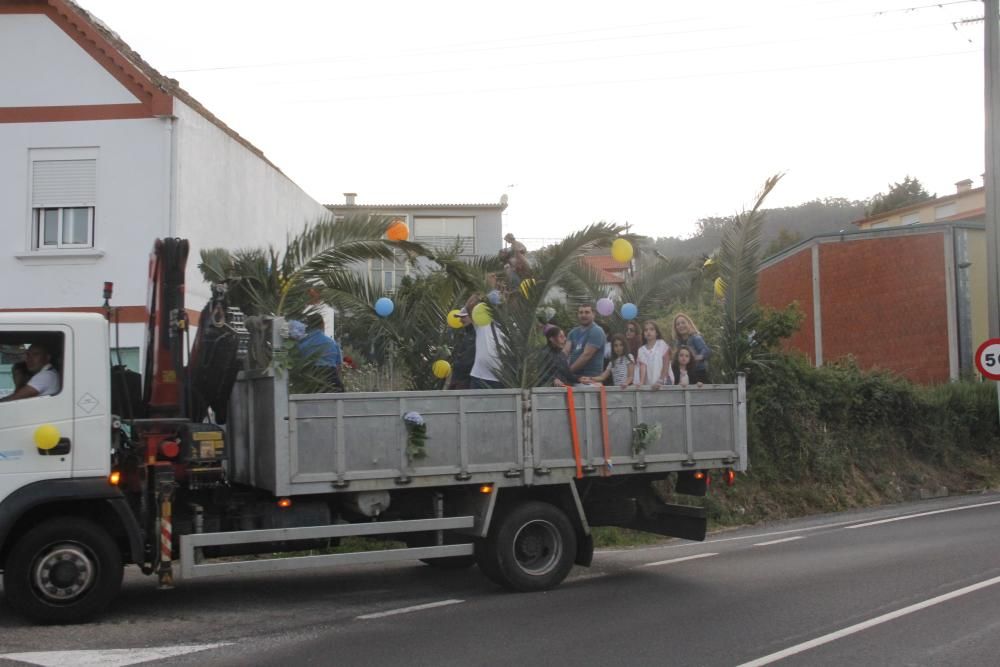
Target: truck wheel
{"type": "Point", "coordinates": [532, 549]}
{"type": "Point", "coordinates": [63, 571]}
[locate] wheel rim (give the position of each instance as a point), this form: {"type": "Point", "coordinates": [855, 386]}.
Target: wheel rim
{"type": "Point", "coordinates": [64, 573]}
{"type": "Point", "coordinates": [537, 547]}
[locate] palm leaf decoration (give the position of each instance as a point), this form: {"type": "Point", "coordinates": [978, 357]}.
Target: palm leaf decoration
{"type": "Point", "coordinates": [737, 261]}
{"type": "Point", "coordinates": [269, 282]}
{"type": "Point", "coordinates": [523, 360]}
{"type": "Point", "coordinates": [658, 282]}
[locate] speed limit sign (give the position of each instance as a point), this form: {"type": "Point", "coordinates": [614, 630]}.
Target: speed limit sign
{"type": "Point", "coordinates": [988, 359]}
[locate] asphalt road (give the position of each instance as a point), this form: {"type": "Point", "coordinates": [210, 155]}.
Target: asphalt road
{"type": "Point", "coordinates": [913, 584]}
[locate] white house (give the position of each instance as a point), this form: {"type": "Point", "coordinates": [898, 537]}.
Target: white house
{"type": "Point", "coordinates": [100, 155]}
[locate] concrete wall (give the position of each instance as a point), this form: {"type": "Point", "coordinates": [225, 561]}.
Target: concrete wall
{"type": "Point", "coordinates": [229, 197]}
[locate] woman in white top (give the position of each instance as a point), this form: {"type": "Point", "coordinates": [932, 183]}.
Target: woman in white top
{"type": "Point", "coordinates": [654, 357]}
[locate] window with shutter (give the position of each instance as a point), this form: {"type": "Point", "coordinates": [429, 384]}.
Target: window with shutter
{"type": "Point", "coordinates": [63, 201]}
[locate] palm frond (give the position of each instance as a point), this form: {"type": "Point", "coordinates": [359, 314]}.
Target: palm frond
{"type": "Point", "coordinates": [738, 260]}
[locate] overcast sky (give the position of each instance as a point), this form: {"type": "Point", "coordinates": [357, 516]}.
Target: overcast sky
{"type": "Point", "coordinates": [654, 113]}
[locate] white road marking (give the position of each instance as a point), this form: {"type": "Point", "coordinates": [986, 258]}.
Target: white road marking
{"type": "Point", "coordinates": [864, 625]}
{"type": "Point", "coordinates": [915, 516]}
{"type": "Point", "coordinates": [678, 560]}
{"type": "Point", "coordinates": [407, 610]}
{"type": "Point", "coordinates": [118, 657]}
{"type": "Point", "coordinates": [781, 541]}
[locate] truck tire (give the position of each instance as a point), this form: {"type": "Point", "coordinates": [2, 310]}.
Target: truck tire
{"type": "Point", "coordinates": [64, 570]}
{"type": "Point", "coordinates": [532, 548]}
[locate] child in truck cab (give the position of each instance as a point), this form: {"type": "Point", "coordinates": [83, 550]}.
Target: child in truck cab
{"type": "Point", "coordinates": [19, 375]}
{"type": "Point", "coordinates": [44, 378]}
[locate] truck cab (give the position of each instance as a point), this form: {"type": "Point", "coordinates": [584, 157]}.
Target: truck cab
{"type": "Point", "coordinates": [55, 461]}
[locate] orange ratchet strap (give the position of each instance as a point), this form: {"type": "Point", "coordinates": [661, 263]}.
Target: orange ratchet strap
{"type": "Point", "coordinates": [574, 433]}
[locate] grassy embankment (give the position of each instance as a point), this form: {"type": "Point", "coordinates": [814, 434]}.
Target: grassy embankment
{"type": "Point", "coordinates": [836, 438]}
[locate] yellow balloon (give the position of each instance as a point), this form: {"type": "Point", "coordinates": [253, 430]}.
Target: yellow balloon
{"type": "Point", "coordinates": [454, 321]}
{"type": "Point", "coordinates": [46, 436]}
{"type": "Point", "coordinates": [621, 250]}
{"type": "Point", "coordinates": [526, 286]}
{"type": "Point", "coordinates": [481, 315]}
{"type": "Point", "coordinates": [441, 369]}
{"type": "Point", "coordinates": [720, 287]}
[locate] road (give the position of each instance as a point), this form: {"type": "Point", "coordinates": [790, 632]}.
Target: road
{"type": "Point", "coordinates": [912, 584]}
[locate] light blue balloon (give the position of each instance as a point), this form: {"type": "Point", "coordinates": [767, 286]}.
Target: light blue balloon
{"type": "Point", "coordinates": [494, 297]}
{"type": "Point", "coordinates": [629, 311]}
{"type": "Point", "coordinates": [384, 307]}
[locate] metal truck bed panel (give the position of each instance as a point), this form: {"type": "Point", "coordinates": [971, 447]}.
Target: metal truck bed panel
{"type": "Point", "coordinates": [318, 443]}
{"type": "Point", "coordinates": [697, 423]}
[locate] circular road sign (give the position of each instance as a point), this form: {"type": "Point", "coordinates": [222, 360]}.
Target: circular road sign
{"type": "Point", "coordinates": [988, 359]}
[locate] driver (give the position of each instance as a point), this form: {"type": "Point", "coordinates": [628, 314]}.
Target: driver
{"type": "Point", "coordinates": [44, 378]}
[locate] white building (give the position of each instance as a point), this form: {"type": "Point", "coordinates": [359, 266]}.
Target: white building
{"type": "Point", "coordinates": [100, 155]}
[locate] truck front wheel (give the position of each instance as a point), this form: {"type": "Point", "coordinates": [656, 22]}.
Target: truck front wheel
{"type": "Point", "coordinates": [63, 571]}
{"type": "Point", "coordinates": [531, 549]}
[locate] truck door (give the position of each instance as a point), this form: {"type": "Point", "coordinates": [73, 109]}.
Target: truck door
{"type": "Point", "coordinates": [21, 460]}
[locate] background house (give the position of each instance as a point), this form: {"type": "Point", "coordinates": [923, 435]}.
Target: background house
{"type": "Point", "coordinates": [908, 298]}
{"type": "Point", "coordinates": [100, 155]}
{"type": "Point", "coordinates": [475, 227]}
{"type": "Point", "coordinates": [966, 204]}
{"type": "Point", "coordinates": [610, 272]}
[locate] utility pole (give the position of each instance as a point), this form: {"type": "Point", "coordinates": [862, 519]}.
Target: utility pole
{"type": "Point", "coordinates": [991, 180]}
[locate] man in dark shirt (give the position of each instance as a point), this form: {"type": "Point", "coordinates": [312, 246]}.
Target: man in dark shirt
{"type": "Point", "coordinates": [464, 355]}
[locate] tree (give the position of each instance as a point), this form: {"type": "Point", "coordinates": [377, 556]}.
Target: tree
{"type": "Point", "coordinates": [785, 239]}
{"type": "Point", "coordinates": [909, 191]}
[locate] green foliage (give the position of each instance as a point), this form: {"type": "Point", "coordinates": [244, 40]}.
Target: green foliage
{"type": "Point", "coordinates": [286, 282]}
{"type": "Point", "coordinates": [819, 424]}
{"type": "Point", "coordinates": [900, 194]}
{"type": "Point", "coordinates": [785, 239]}
{"type": "Point", "coordinates": [738, 261]}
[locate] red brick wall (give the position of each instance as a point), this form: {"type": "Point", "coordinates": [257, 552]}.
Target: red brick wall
{"type": "Point", "coordinates": [884, 301]}
{"type": "Point", "coordinates": [791, 281]}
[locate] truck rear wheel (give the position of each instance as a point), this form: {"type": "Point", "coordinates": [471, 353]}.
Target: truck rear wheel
{"type": "Point", "coordinates": [532, 548]}
{"type": "Point", "coordinates": [63, 571]}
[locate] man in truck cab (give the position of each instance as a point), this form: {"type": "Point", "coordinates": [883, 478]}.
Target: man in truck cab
{"type": "Point", "coordinates": [44, 378]}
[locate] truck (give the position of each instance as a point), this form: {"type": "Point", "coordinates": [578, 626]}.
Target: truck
{"type": "Point", "coordinates": [207, 465]}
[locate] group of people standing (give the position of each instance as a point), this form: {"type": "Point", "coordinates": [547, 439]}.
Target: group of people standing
{"type": "Point", "coordinates": [586, 355]}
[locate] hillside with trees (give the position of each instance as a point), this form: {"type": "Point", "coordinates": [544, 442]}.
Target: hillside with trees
{"type": "Point", "coordinates": [784, 227]}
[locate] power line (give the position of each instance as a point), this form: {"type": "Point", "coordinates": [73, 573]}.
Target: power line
{"type": "Point", "coordinates": [581, 84]}
{"type": "Point", "coordinates": [500, 44]}
{"type": "Point", "coordinates": [568, 61]}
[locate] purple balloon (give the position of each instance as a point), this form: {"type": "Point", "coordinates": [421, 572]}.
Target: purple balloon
{"type": "Point", "coordinates": [605, 306]}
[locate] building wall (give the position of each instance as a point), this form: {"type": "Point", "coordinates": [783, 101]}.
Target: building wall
{"type": "Point", "coordinates": [227, 196]}
{"type": "Point", "coordinates": [40, 48]}
{"type": "Point", "coordinates": [884, 299]}
{"type": "Point", "coordinates": [978, 281]}
{"type": "Point", "coordinates": [130, 211]}
{"type": "Point", "coordinates": [787, 282]}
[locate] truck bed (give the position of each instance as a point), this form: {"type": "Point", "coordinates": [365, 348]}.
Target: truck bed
{"type": "Point", "coordinates": [317, 443]}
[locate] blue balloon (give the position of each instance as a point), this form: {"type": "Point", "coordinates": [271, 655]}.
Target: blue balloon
{"type": "Point", "coordinates": [629, 311]}
{"type": "Point", "coordinates": [493, 297]}
{"type": "Point", "coordinates": [384, 307]}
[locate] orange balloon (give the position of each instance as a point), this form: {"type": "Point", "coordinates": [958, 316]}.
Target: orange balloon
{"type": "Point", "coordinates": [398, 231]}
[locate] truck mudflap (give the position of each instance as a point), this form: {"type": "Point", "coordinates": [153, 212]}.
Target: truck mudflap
{"type": "Point", "coordinates": [636, 506]}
